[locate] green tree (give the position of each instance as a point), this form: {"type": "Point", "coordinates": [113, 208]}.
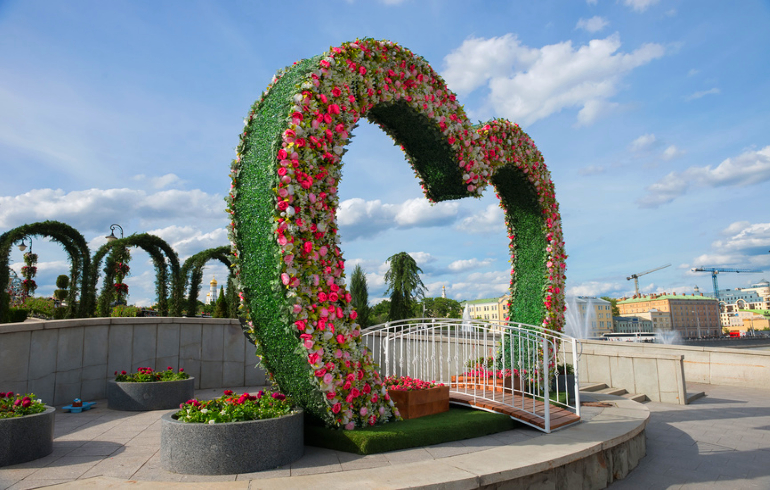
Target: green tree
{"type": "Point", "coordinates": [404, 286]}
{"type": "Point", "coordinates": [441, 308]}
{"type": "Point", "coordinates": [614, 301]}
{"type": "Point", "coordinates": [379, 312]}
{"type": "Point", "coordinates": [221, 310]}
{"type": "Point", "coordinates": [359, 290]}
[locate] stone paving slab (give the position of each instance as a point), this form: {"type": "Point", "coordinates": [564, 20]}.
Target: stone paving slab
{"type": "Point", "coordinates": [719, 441]}
{"type": "Point", "coordinates": [102, 448]}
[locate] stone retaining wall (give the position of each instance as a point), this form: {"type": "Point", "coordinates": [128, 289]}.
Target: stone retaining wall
{"type": "Point", "coordinates": [60, 360]}
{"type": "Point", "coordinates": [701, 364]}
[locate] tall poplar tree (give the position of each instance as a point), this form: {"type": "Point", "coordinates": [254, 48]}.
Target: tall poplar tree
{"type": "Point", "coordinates": [404, 286]}
{"type": "Point", "coordinates": [359, 290]}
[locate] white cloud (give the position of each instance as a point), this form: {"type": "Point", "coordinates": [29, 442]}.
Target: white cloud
{"type": "Point", "coordinates": [188, 240]}
{"type": "Point", "coordinates": [692, 72]}
{"type": "Point", "coordinates": [160, 182]}
{"type": "Point", "coordinates": [703, 93]}
{"type": "Point", "coordinates": [639, 5]}
{"type": "Point", "coordinates": [98, 208]}
{"type": "Point", "coordinates": [591, 170]}
{"type": "Point", "coordinates": [528, 84]}
{"type": "Point", "coordinates": [594, 24]}
{"type": "Point", "coordinates": [643, 142]}
{"type": "Point", "coordinates": [422, 258]}
{"type": "Point", "coordinates": [358, 217]}
{"type": "Point", "coordinates": [490, 220]}
{"type": "Point", "coordinates": [672, 152]}
{"type": "Point", "coordinates": [751, 167]}
{"type": "Point", "coordinates": [468, 264]}
{"type": "Point", "coordinates": [746, 238]}
{"type": "Point", "coordinates": [594, 288]}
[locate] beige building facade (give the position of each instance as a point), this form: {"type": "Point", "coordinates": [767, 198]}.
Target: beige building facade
{"type": "Point", "coordinates": [490, 309]}
{"type": "Point", "coordinates": [692, 316]}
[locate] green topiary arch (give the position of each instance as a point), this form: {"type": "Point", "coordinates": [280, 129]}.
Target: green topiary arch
{"type": "Point", "coordinates": [283, 203]}
{"type": "Point", "coordinates": [164, 258]}
{"type": "Point", "coordinates": [75, 246]}
{"type": "Point", "coordinates": [192, 273]}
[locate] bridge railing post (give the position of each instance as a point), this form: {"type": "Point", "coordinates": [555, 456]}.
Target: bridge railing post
{"type": "Point", "coordinates": [546, 394]}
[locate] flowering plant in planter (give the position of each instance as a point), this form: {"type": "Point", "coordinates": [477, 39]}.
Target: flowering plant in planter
{"type": "Point", "coordinates": [405, 383]}
{"type": "Point", "coordinates": [147, 375]}
{"type": "Point", "coordinates": [231, 407]}
{"type": "Point", "coordinates": [18, 405]}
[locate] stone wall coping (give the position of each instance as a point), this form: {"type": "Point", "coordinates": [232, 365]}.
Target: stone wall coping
{"type": "Point", "coordinates": [91, 322]}
{"type": "Point", "coordinates": [645, 346]}
{"type": "Point", "coordinates": [637, 355]}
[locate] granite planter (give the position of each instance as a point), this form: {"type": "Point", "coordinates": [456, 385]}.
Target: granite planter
{"type": "Point", "coordinates": [234, 447]}
{"type": "Point", "coordinates": [26, 438]}
{"type": "Point", "coordinates": [157, 395]}
{"type": "Point", "coordinates": [419, 403]}
{"type": "Point", "coordinates": [565, 383]}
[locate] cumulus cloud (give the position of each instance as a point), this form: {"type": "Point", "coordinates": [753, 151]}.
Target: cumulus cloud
{"type": "Point", "coordinates": [751, 167]}
{"type": "Point", "coordinates": [468, 264]}
{"type": "Point", "coordinates": [639, 5]}
{"type": "Point", "coordinates": [98, 208]}
{"type": "Point", "coordinates": [702, 93]}
{"type": "Point", "coordinates": [527, 84]}
{"type": "Point", "coordinates": [189, 240]}
{"type": "Point", "coordinates": [358, 217]}
{"type": "Point", "coordinates": [672, 152]}
{"type": "Point", "coordinates": [594, 24]}
{"type": "Point", "coordinates": [490, 220]}
{"type": "Point", "coordinates": [643, 142]}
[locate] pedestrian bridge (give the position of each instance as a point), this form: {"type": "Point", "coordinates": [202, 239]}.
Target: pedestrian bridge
{"type": "Point", "coordinates": [520, 370]}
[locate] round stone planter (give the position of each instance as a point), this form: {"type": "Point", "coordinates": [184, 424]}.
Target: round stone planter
{"type": "Point", "coordinates": [235, 447]}
{"type": "Point", "coordinates": [158, 395]}
{"type": "Point", "coordinates": [26, 438]}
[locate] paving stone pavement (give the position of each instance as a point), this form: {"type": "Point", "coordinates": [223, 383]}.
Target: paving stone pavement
{"type": "Point", "coordinates": [719, 441]}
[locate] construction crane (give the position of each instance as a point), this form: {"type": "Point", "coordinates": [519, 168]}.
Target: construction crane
{"type": "Point", "coordinates": [716, 270]}
{"type": "Point", "coordinates": [635, 277]}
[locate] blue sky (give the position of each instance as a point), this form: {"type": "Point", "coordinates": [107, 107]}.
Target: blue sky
{"type": "Point", "coordinates": [652, 116]}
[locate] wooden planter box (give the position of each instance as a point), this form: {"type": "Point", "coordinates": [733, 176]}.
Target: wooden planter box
{"type": "Point", "coordinates": [157, 395]}
{"type": "Point", "coordinates": [26, 438]}
{"type": "Point", "coordinates": [231, 448]}
{"type": "Point", "coordinates": [419, 403]}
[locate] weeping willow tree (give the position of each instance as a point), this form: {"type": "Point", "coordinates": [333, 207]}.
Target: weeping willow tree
{"type": "Point", "coordinates": [404, 286]}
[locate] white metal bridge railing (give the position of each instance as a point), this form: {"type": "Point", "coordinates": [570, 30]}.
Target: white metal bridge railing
{"type": "Point", "coordinates": [514, 364]}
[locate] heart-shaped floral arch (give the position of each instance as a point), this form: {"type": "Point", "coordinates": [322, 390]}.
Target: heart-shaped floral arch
{"type": "Point", "coordinates": [288, 265]}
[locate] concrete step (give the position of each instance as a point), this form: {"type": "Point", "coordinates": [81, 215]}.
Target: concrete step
{"type": "Point", "coordinates": [613, 391]}
{"type": "Point", "coordinates": [592, 386]}
{"type": "Point", "coordinates": [691, 397]}
{"type": "Point", "coordinates": [637, 397]}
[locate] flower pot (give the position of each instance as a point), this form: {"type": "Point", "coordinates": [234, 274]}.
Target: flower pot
{"type": "Point", "coordinates": [157, 395]}
{"type": "Point", "coordinates": [26, 438]}
{"type": "Point", "coordinates": [234, 447]}
{"type": "Point", "coordinates": [419, 403]}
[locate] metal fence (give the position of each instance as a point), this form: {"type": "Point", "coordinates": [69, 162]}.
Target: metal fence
{"type": "Point", "coordinates": [514, 364]}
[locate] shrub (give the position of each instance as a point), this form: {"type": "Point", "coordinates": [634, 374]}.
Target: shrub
{"type": "Point", "coordinates": [17, 315]}
{"type": "Point", "coordinates": [124, 311]}
{"type": "Point", "coordinates": [41, 307]}
{"type": "Point", "coordinates": [147, 375]}
{"type": "Point", "coordinates": [62, 282]}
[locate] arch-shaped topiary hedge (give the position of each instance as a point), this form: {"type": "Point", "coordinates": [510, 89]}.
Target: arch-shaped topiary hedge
{"type": "Point", "coordinates": [284, 198]}
{"type": "Point", "coordinates": [164, 258]}
{"type": "Point", "coordinates": [77, 250]}
{"type": "Point", "coordinates": [192, 273]}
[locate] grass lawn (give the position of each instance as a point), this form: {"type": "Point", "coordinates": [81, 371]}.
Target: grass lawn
{"type": "Point", "coordinates": [456, 424]}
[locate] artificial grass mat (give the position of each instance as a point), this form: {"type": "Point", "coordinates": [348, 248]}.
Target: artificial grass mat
{"type": "Point", "coordinates": [456, 424]}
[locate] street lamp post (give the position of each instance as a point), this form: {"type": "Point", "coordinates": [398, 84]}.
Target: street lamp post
{"type": "Point", "coordinates": [111, 237]}
{"type": "Point", "coordinates": [23, 246]}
